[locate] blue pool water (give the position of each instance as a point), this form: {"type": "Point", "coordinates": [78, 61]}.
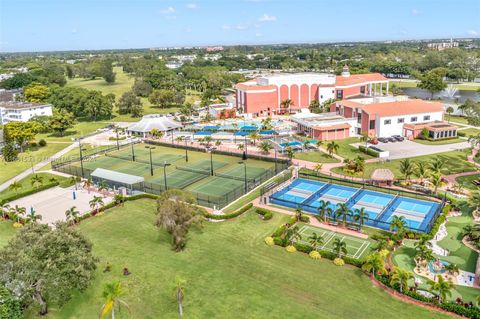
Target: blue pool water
{"type": "Point", "coordinates": [380, 207]}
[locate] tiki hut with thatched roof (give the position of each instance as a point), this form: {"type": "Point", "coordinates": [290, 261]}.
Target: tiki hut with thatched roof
{"type": "Point", "coordinates": [382, 176]}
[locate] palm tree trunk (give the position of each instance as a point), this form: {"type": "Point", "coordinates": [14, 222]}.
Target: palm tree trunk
{"type": "Point", "coordinates": [113, 313]}
{"type": "Point", "coordinates": [180, 309]}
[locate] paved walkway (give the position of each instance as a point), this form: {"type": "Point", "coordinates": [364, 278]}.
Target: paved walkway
{"type": "Point", "coordinates": [37, 166]}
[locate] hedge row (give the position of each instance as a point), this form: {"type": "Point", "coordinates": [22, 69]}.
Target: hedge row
{"type": "Point", "coordinates": [229, 216]}
{"type": "Point", "coordinates": [267, 214]}
{"type": "Point", "coordinates": [29, 192]}
{"type": "Point", "coordinates": [368, 151]}
{"type": "Point", "coordinates": [461, 310]}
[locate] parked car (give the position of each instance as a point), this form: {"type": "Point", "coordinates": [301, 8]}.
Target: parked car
{"type": "Point", "coordinates": [391, 139]}
{"type": "Point", "coordinates": [373, 141]}
{"type": "Point", "coordinates": [383, 140]}
{"type": "Point", "coordinates": [398, 138]}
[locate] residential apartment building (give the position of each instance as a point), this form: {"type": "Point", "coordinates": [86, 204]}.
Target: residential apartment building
{"type": "Point", "coordinates": [12, 111]}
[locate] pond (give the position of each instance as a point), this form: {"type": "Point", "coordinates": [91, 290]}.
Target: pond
{"type": "Point", "coordinates": [448, 95]}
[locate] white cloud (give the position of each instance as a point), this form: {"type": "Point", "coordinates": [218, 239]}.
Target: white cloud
{"type": "Point", "coordinates": [226, 27]}
{"type": "Point", "coordinates": [258, 34]}
{"type": "Point", "coordinates": [191, 6]}
{"type": "Point", "coordinates": [240, 27]}
{"type": "Point", "coordinates": [473, 33]}
{"type": "Point", "coordinates": [267, 18]}
{"type": "Point", "coordinates": [415, 12]}
{"type": "Point", "coordinates": [168, 10]}
{"type": "Point", "coordinates": [74, 30]}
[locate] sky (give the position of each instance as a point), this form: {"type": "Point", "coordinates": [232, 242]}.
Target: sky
{"type": "Point", "coordinates": [49, 25]}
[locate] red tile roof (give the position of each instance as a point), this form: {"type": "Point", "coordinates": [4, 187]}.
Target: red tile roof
{"type": "Point", "coordinates": [359, 79]}
{"type": "Point", "coordinates": [247, 87]}
{"type": "Point", "coordinates": [332, 127]}
{"type": "Point", "coordinates": [414, 106]}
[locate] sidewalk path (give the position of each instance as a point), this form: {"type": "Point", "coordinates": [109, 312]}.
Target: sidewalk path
{"type": "Point", "coordinates": [38, 166]}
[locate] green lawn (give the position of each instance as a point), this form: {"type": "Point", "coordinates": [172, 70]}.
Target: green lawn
{"type": "Point", "coordinates": [27, 186]}
{"type": "Point", "coordinates": [455, 162]}
{"type": "Point", "coordinates": [318, 157]}
{"type": "Point", "coordinates": [123, 83]}
{"type": "Point", "coordinates": [470, 131]}
{"type": "Point", "coordinates": [466, 181]}
{"type": "Point", "coordinates": [79, 129]}
{"type": "Point", "coordinates": [26, 159]}
{"type": "Point", "coordinates": [460, 86]}
{"type": "Point", "coordinates": [230, 273]}
{"type": "Point", "coordinates": [458, 119]}
{"type": "Point", "coordinates": [439, 142]}
{"type": "Point", "coordinates": [348, 151]}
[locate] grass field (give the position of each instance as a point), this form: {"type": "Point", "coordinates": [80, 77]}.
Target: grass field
{"type": "Point", "coordinates": [27, 159]}
{"type": "Point", "coordinates": [193, 175]}
{"type": "Point", "coordinates": [466, 181]}
{"type": "Point", "coordinates": [79, 129]}
{"type": "Point", "coordinates": [470, 131]}
{"type": "Point", "coordinates": [458, 119]}
{"type": "Point", "coordinates": [460, 86]}
{"type": "Point", "coordinates": [439, 142]}
{"type": "Point", "coordinates": [123, 83]}
{"type": "Point", "coordinates": [317, 157]}
{"type": "Point", "coordinates": [230, 273]}
{"type": "Point", "coordinates": [27, 186]}
{"type": "Point", "coordinates": [356, 247]}
{"type": "Point", "coordinates": [455, 162]}
{"type": "Point", "coordinates": [346, 150]}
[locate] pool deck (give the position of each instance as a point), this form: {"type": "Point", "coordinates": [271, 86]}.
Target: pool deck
{"type": "Point", "coordinates": [313, 220]}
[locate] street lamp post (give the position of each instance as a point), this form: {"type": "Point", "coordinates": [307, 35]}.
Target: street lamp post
{"type": "Point", "coordinates": [245, 174]}
{"type": "Point", "coordinates": [151, 162]}
{"type": "Point", "coordinates": [165, 164]}
{"type": "Point", "coordinates": [276, 170]}
{"type": "Point", "coordinates": [186, 150]}
{"type": "Point", "coordinates": [133, 152]}
{"type": "Point", "coordinates": [211, 149]}
{"type": "Point", "coordinates": [118, 142]}
{"type": "Point", "coordinates": [81, 157]}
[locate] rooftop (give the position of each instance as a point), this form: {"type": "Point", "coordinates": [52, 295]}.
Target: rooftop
{"type": "Point", "coordinates": [394, 108]}
{"type": "Point", "coordinates": [13, 105]}
{"type": "Point", "coordinates": [358, 79]}
{"type": "Point", "coordinates": [154, 121]}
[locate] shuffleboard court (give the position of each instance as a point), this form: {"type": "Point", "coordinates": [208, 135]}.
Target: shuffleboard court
{"type": "Point", "coordinates": [357, 248]}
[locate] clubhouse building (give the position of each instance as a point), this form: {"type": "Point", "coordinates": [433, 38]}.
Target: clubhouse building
{"type": "Point", "coordinates": [264, 95]}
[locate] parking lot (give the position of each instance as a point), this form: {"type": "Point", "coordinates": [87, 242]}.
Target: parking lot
{"type": "Point", "coordinates": [407, 148]}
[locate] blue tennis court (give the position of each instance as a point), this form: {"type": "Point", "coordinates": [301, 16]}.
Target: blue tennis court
{"type": "Point", "coordinates": [307, 194]}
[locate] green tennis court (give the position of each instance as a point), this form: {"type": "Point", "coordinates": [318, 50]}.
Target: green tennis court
{"type": "Point", "coordinates": [179, 179]}
{"type": "Point", "coordinates": [356, 247]}
{"type": "Point", "coordinates": [217, 186]}
{"type": "Point", "coordinates": [143, 155]}
{"type": "Point", "coordinates": [239, 172]}
{"type": "Point", "coordinates": [115, 164]}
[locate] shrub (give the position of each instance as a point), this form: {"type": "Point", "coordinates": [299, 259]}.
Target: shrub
{"type": "Point", "coordinates": [339, 261]}
{"type": "Point", "coordinates": [461, 134]}
{"type": "Point", "coordinates": [368, 151]}
{"type": "Point", "coordinates": [290, 249]}
{"type": "Point", "coordinates": [28, 192]}
{"type": "Point", "coordinates": [42, 143]}
{"type": "Point", "coordinates": [17, 225]}
{"type": "Point", "coordinates": [269, 241]}
{"type": "Point", "coordinates": [279, 241]}
{"type": "Point", "coordinates": [315, 255]}
{"type": "Point", "coordinates": [229, 216]}
{"type": "Point", "coordinates": [305, 219]}
{"type": "Point", "coordinates": [266, 214]}
{"type": "Point", "coordinates": [33, 144]}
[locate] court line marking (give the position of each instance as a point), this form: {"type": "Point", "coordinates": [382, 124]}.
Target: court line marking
{"type": "Point", "coordinates": [358, 250]}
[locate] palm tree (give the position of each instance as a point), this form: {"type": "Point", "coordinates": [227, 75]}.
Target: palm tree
{"type": "Point", "coordinates": [442, 288]}
{"type": "Point", "coordinates": [361, 216]}
{"type": "Point", "coordinates": [423, 253]}
{"type": "Point", "coordinates": [436, 180]}
{"type": "Point", "coordinates": [241, 147]}
{"type": "Point", "coordinates": [72, 214]}
{"type": "Point", "coordinates": [319, 143]}
{"type": "Point", "coordinates": [406, 168]}
{"type": "Point", "coordinates": [292, 235]}
{"type": "Point", "coordinates": [17, 212]}
{"type": "Point", "coordinates": [318, 167]}
{"type": "Point", "coordinates": [267, 123]}
{"type": "Point", "coordinates": [342, 211]}
{"type": "Point", "coordinates": [298, 213]}
{"type": "Point", "coordinates": [87, 184]}
{"type": "Point", "coordinates": [103, 187]}
{"type": "Point", "coordinates": [180, 293]}
{"type": "Point", "coordinates": [33, 217]}
{"type": "Point", "coordinates": [207, 141]}
{"type": "Point", "coordinates": [95, 203]}
{"type": "Point", "coordinates": [449, 111]}
{"type": "Point", "coordinates": [36, 181]}
{"type": "Point", "coordinates": [332, 148]}
{"type": "Point", "coordinates": [254, 137]}
{"type": "Point", "coordinates": [289, 152]}
{"type": "Point", "coordinates": [437, 165]}
{"type": "Point", "coordinates": [421, 171]}
{"type": "Point", "coordinates": [339, 247]}
{"type": "Point", "coordinates": [474, 200]}
{"type": "Point", "coordinates": [398, 224]}
{"type": "Point", "coordinates": [374, 263]}
{"type": "Point", "coordinates": [359, 164]}
{"type": "Point", "coordinates": [315, 240]}
{"type": "Point", "coordinates": [306, 144]}
{"type": "Point", "coordinates": [401, 277]}
{"type": "Point", "coordinates": [265, 146]}
{"type": "Point", "coordinates": [364, 138]}
{"type": "Point", "coordinates": [155, 133]}
{"type": "Point", "coordinates": [287, 103]}
{"type": "Point", "coordinates": [4, 208]}
{"type": "Point", "coordinates": [332, 214]}
{"type": "Point", "coordinates": [111, 294]}
{"type": "Point", "coordinates": [323, 209]}
{"type": "Point", "coordinates": [218, 143]}
{"type": "Point", "coordinates": [15, 186]}
{"type": "Point", "coordinates": [452, 269]}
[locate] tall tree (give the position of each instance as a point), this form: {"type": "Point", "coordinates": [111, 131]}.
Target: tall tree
{"type": "Point", "coordinates": [61, 121]}
{"type": "Point", "coordinates": [432, 82]}
{"type": "Point", "coordinates": [112, 293]}
{"type": "Point", "coordinates": [130, 103]}
{"type": "Point", "coordinates": [46, 265]}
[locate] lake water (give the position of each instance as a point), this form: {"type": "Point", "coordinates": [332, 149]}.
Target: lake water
{"type": "Point", "coordinates": [460, 96]}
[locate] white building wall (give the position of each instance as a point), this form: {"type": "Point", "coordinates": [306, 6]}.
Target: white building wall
{"type": "Point", "coordinates": [325, 93]}
{"type": "Point", "coordinates": [396, 128]}
{"type": "Point", "coordinates": [23, 115]}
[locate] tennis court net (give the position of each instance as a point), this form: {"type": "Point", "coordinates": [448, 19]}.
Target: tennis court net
{"type": "Point", "coordinates": [238, 178]}
{"type": "Point", "coordinates": [335, 198]}
{"type": "Point", "coordinates": [193, 170]}
{"type": "Point", "coordinates": [300, 191]}
{"type": "Point", "coordinates": [370, 205]}
{"type": "Point", "coordinates": [409, 213]}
